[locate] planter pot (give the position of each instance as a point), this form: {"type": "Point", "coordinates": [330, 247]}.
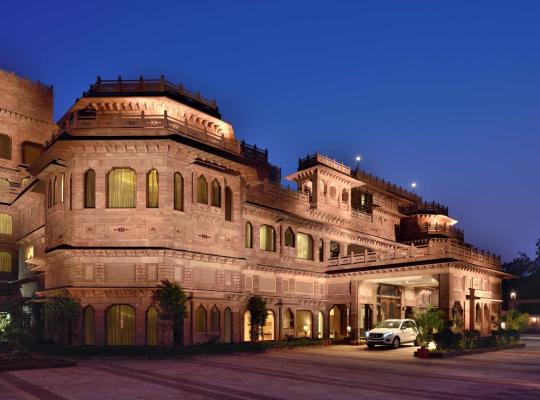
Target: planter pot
{"type": "Point", "coordinates": [422, 353]}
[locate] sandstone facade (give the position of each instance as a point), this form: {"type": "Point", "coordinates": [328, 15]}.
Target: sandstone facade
{"type": "Point", "coordinates": [330, 258]}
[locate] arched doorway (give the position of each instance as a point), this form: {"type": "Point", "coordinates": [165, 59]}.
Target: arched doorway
{"type": "Point", "coordinates": [457, 316]}
{"type": "Point", "coordinates": [487, 320]}
{"type": "Point", "coordinates": [303, 323]}
{"type": "Point", "coordinates": [227, 326]}
{"type": "Point", "coordinates": [151, 326]}
{"type": "Point", "coordinates": [335, 323]}
{"type": "Point", "coordinates": [388, 302]}
{"type": "Point", "coordinates": [478, 317]}
{"type": "Point", "coordinates": [120, 324]}
{"type": "Point", "coordinates": [247, 326]}
{"type": "Point", "coordinates": [268, 332]}
{"type": "Point", "coordinates": [320, 325]}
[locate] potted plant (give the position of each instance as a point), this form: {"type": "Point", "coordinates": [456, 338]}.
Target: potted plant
{"type": "Point", "coordinates": [428, 322]}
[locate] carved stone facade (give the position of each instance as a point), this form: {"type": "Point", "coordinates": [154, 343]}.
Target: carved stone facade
{"type": "Point", "coordinates": [322, 255]}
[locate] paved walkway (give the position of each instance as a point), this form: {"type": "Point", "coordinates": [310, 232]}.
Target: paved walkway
{"type": "Point", "coordinates": [338, 372]}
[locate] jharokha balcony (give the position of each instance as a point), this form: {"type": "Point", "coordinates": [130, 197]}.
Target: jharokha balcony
{"type": "Point", "coordinates": [433, 249]}
{"type": "Point", "coordinates": [424, 208]}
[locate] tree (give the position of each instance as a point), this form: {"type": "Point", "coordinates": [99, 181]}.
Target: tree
{"type": "Point", "coordinates": [516, 321]}
{"type": "Point", "coordinates": [523, 266]}
{"type": "Point", "coordinates": [258, 313]}
{"type": "Point", "coordinates": [61, 316]}
{"type": "Point", "coordinates": [170, 302]}
{"type": "Point", "coordinates": [429, 322]}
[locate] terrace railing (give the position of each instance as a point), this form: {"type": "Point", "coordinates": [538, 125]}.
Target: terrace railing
{"type": "Point", "coordinates": [313, 159]}
{"type": "Point", "coordinates": [428, 249]}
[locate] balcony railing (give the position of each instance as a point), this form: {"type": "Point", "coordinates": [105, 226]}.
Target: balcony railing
{"type": "Point", "coordinates": [443, 229]}
{"type": "Point", "coordinates": [313, 159]}
{"type": "Point", "coordinates": [424, 208]}
{"type": "Point", "coordinates": [429, 249]}
{"type": "Point", "coordinates": [385, 185]}
{"type": "Point", "coordinates": [142, 85]}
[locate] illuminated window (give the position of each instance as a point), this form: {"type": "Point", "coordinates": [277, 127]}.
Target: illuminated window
{"type": "Point", "coordinates": [216, 194]}
{"type": "Point", "coordinates": [90, 189]}
{"type": "Point", "coordinates": [5, 261]}
{"type": "Point", "coordinates": [89, 318]}
{"type": "Point", "coordinates": [151, 326]}
{"type": "Point", "coordinates": [202, 190]}
{"type": "Point", "coordinates": [4, 184]}
{"type": "Point", "coordinates": [249, 235]}
{"type": "Point", "coordinates": [304, 246]}
{"type": "Point", "coordinates": [29, 252]}
{"type": "Point", "coordinates": [5, 147]}
{"type": "Point", "coordinates": [122, 188]}
{"type": "Point", "coordinates": [289, 237]}
{"type": "Point", "coordinates": [6, 224]}
{"type": "Point", "coordinates": [152, 189]}
{"type": "Point", "coordinates": [228, 204]}
{"type": "Point", "coordinates": [178, 192]}
{"type": "Point", "coordinates": [62, 185]}
{"type": "Point", "coordinates": [267, 238]}
{"type": "Point", "coordinates": [54, 189]}
{"type": "Point", "coordinates": [345, 196]}
{"type": "Point", "coordinates": [214, 319]}
{"type": "Point", "coordinates": [31, 152]}
{"type": "Point", "coordinates": [200, 319]}
{"type": "Point", "coordinates": [120, 325]}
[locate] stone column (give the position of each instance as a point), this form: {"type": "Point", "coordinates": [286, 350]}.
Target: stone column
{"type": "Point", "coordinates": [353, 317]}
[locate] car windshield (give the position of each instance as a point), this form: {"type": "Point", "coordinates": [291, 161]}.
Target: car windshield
{"type": "Point", "coordinates": [389, 324]}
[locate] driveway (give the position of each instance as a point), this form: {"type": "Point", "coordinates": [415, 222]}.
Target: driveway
{"type": "Point", "coordinates": [337, 372]}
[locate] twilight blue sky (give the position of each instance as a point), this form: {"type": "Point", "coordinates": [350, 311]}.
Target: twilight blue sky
{"type": "Point", "coordinates": [443, 93]}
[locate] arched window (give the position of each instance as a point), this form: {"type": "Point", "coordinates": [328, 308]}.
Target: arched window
{"type": "Point", "coordinates": [121, 188]}
{"type": "Point", "coordinates": [216, 194]}
{"type": "Point", "coordinates": [70, 192]}
{"type": "Point", "coordinates": [54, 190]}
{"type": "Point", "coordinates": [267, 238]}
{"type": "Point", "coordinates": [202, 190]}
{"type": "Point", "coordinates": [214, 319]}
{"type": "Point", "coordinates": [5, 147]}
{"type": "Point", "coordinates": [345, 196]}
{"type": "Point", "coordinates": [178, 191]}
{"type": "Point", "coordinates": [29, 252]}
{"type": "Point", "coordinates": [62, 186]}
{"type": "Point", "coordinates": [247, 326]}
{"type": "Point", "coordinates": [152, 189]}
{"type": "Point", "coordinates": [321, 250]}
{"type": "Point", "coordinates": [320, 325]}
{"type": "Point", "coordinates": [6, 224]}
{"type": "Point", "coordinates": [227, 326]}
{"type": "Point", "coordinates": [269, 326]}
{"type": "Point", "coordinates": [89, 317]}
{"type": "Point", "coordinates": [120, 323]}
{"type": "Point", "coordinates": [304, 246]}
{"type": "Point", "coordinates": [31, 152]}
{"type": "Point", "coordinates": [5, 261]}
{"type": "Point", "coordinates": [90, 189]}
{"type": "Point", "coordinates": [248, 240]}
{"type": "Point", "coordinates": [200, 319]}
{"type": "Point", "coordinates": [289, 237]}
{"type": "Point", "coordinates": [228, 204]}
{"type": "Point", "coordinates": [49, 194]}
{"type": "Point", "coordinates": [288, 319]}
{"type": "Point", "coordinates": [151, 326]}
{"type": "Point", "coordinates": [324, 188]}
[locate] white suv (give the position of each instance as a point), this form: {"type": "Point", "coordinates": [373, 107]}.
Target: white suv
{"type": "Point", "coordinates": [392, 332]}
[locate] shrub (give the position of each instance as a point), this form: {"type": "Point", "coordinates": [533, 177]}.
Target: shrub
{"type": "Point", "coordinates": [447, 339]}
{"type": "Point", "coordinates": [470, 340]}
{"type": "Point", "coordinates": [515, 321]}
{"type": "Point", "coordinates": [17, 338]}
{"type": "Point", "coordinates": [429, 321]}
{"type": "Point", "coordinates": [61, 316]}
{"type": "Point", "coordinates": [170, 302]}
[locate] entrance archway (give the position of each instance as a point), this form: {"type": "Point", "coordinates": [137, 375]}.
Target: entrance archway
{"type": "Point", "coordinates": [337, 330]}
{"type": "Point", "coordinates": [303, 323]}
{"type": "Point", "coordinates": [388, 302]}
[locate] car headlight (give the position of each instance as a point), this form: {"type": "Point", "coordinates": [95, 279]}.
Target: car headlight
{"type": "Point", "coordinates": [387, 334]}
{"type": "Point", "coordinates": [367, 333]}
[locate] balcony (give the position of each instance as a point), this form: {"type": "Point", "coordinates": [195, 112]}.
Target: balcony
{"type": "Point", "coordinates": [427, 250]}
{"type": "Point", "coordinates": [443, 230]}
{"type": "Point", "coordinates": [316, 159]}
{"type": "Point", "coordinates": [424, 208]}
{"type": "Point", "coordinates": [152, 87]}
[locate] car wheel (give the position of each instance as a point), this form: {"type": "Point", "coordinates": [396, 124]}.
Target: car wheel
{"type": "Point", "coordinates": [395, 343]}
{"type": "Point", "coordinates": [370, 345]}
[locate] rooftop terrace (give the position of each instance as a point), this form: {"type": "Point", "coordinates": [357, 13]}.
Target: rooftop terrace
{"type": "Point", "coordinates": [153, 87]}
